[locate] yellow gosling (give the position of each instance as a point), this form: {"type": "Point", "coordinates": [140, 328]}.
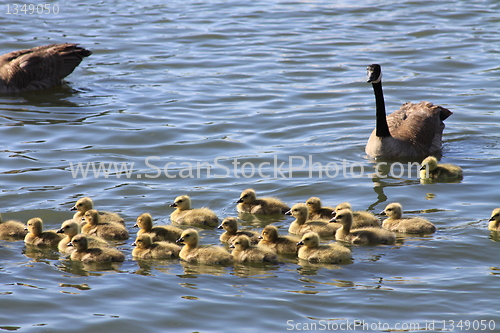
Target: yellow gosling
{"type": "Point", "coordinates": [12, 230]}
{"type": "Point", "coordinates": [397, 223]}
{"type": "Point", "coordinates": [494, 224]}
{"type": "Point", "coordinates": [145, 248]}
{"type": "Point", "coordinates": [230, 225]}
{"type": "Point", "coordinates": [317, 211]}
{"type": "Point", "coordinates": [165, 233]}
{"type": "Point", "coordinates": [192, 252]}
{"type": "Point", "coordinates": [36, 236]}
{"type": "Point", "coordinates": [249, 203]}
{"type": "Point", "coordinates": [270, 238]}
{"type": "Point", "coordinates": [85, 204]}
{"type": "Point", "coordinates": [361, 219]}
{"type": "Point", "coordinates": [184, 214]}
{"type": "Point", "coordinates": [364, 236]}
{"type": "Point", "coordinates": [302, 225]}
{"type": "Point", "coordinates": [244, 252]}
{"type": "Point", "coordinates": [108, 231]}
{"type": "Point", "coordinates": [333, 253]}
{"type": "Point", "coordinates": [97, 254]}
{"type": "Point", "coordinates": [71, 228]}
{"type": "Point", "coordinates": [431, 169]}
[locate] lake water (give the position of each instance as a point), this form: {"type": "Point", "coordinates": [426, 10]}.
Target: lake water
{"type": "Point", "coordinates": [269, 84]}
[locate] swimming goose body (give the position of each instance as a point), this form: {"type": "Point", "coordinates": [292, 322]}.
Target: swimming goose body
{"type": "Point", "coordinates": [412, 131]}
{"type": "Point", "coordinates": [41, 67]}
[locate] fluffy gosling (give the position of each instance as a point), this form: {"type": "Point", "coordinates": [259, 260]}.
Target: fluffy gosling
{"type": "Point", "coordinates": [191, 252]}
{"type": "Point", "coordinates": [36, 236]}
{"type": "Point", "coordinates": [302, 225]}
{"type": "Point", "coordinates": [97, 254]}
{"type": "Point", "coordinates": [85, 204]}
{"type": "Point", "coordinates": [430, 169]}
{"type": "Point", "coordinates": [108, 231]}
{"type": "Point", "coordinates": [361, 219]}
{"type": "Point", "coordinates": [165, 233]}
{"type": "Point", "coordinates": [230, 225]}
{"type": "Point", "coordinates": [494, 220]}
{"type": "Point", "coordinates": [311, 250]}
{"type": "Point", "coordinates": [316, 211]}
{"type": "Point", "coordinates": [145, 248]}
{"type": "Point", "coordinates": [184, 214]}
{"type": "Point", "coordinates": [71, 228]}
{"type": "Point", "coordinates": [364, 236]}
{"type": "Point", "coordinates": [397, 223]}
{"type": "Point", "coordinates": [249, 203]}
{"type": "Point", "coordinates": [270, 238]}
{"type": "Point", "coordinates": [13, 230]}
{"type": "Point", "coordinates": [244, 252]}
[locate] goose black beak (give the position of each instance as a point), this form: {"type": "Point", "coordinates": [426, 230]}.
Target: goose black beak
{"type": "Point", "coordinates": [180, 240]}
{"type": "Point", "coordinates": [289, 212]}
{"type": "Point", "coordinates": [240, 200]}
{"type": "Point", "coordinates": [300, 243]}
{"type": "Point", "coordinates": [60, 231]}
{"type": "Point", "coordinates": [173, 205]}
{"type": "Point", "coordinates": [73, 208]}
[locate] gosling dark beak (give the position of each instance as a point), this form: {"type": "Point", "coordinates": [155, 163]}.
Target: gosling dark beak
{"type": "Point", "coordinates": [240, 200]}
{"type": "Point", "coordinates": [260, 237]}
{"type": "Point", "coordinates": [180, 240]}
{"type": "Point", "coordinates": [134, 244]}
{"type": "Point", "coordinates": [333, 219]}
{"type": "Point", "coordinates": [220, 227]}
{"type": "Point", "coordinates": [289, 212]}
{"type": "Point", "coordinates": [25, 229]}
{"type": "Point", "coordinates": [422, 167]}
{"type": "Point", "coordinates": [70, 244]}
{"type": "Point", "coordinates": [135, 226]}
{"type": "Point", "coordinates": [300, 243]}
{"type": "Point", "coordinates": [383, 212]}
{"type": "Point", "coordinates": [173, 205]}
{"type": "Point", "coordinates": [334, 213]}
{"type": "Point", "coordinates": [73, 208]}
{"type": "Point", "coordinates": [491, 219]}
{"type": "Point", "coordinates": [60, 231]}
{"type": "Point", "coordinates": [231, 246]}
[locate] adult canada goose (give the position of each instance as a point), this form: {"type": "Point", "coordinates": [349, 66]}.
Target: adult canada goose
{"type": "Point", "coordinates": [12, 230]}
{"type": "Point", "coordinates": [317, 211]}
{"type": "Point", "coordinates": [395, 222]}
{"type": "Point", "coordinates": [230, 225]}
{"type": "Point", "coordinates": [192, 252]}
{"type": "Point", "coordinates": [494, 220]}
{"type": "Point", "coordinates": [36, 235]}
{"type": "Point", "coordinates": [363, 236]}
{"type": "Point", "coordinates": [184, 214]}
{"type": "Point", "coordinates": [249, 203]}
{"type": "Point", "coordinates": [413, 130]}
{"type": "Point", "coordinates": [145, 248]}
{"type": "Point", "coordinates": [38, 68]}
{"type": "Point", "coordinates": [280, 244]}
{"type": "Point", "coordinates": [302, 224]}
{"type": "Point", "coordinates": [245, 252]}
{"type": "Point", "coordinates": [96, 254]}
{"type": "Point", "coordinates": [106, 230]}
{"type": "Point", "coordinates": [85, 204]}
{"type": "Point", "coordinates": [71, 228]}
{"type": "Point", "coordinates": [166, 233]}
{"type": "Point", "coordinates": [361, 219]}
{"type": "Point", "coordinates": [431, 169]}
{"type": "Point", "coordinates": [332, 253]}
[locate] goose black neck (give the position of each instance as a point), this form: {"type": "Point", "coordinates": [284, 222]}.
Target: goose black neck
{"type": "Point", "coordinates": [382, 129]}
